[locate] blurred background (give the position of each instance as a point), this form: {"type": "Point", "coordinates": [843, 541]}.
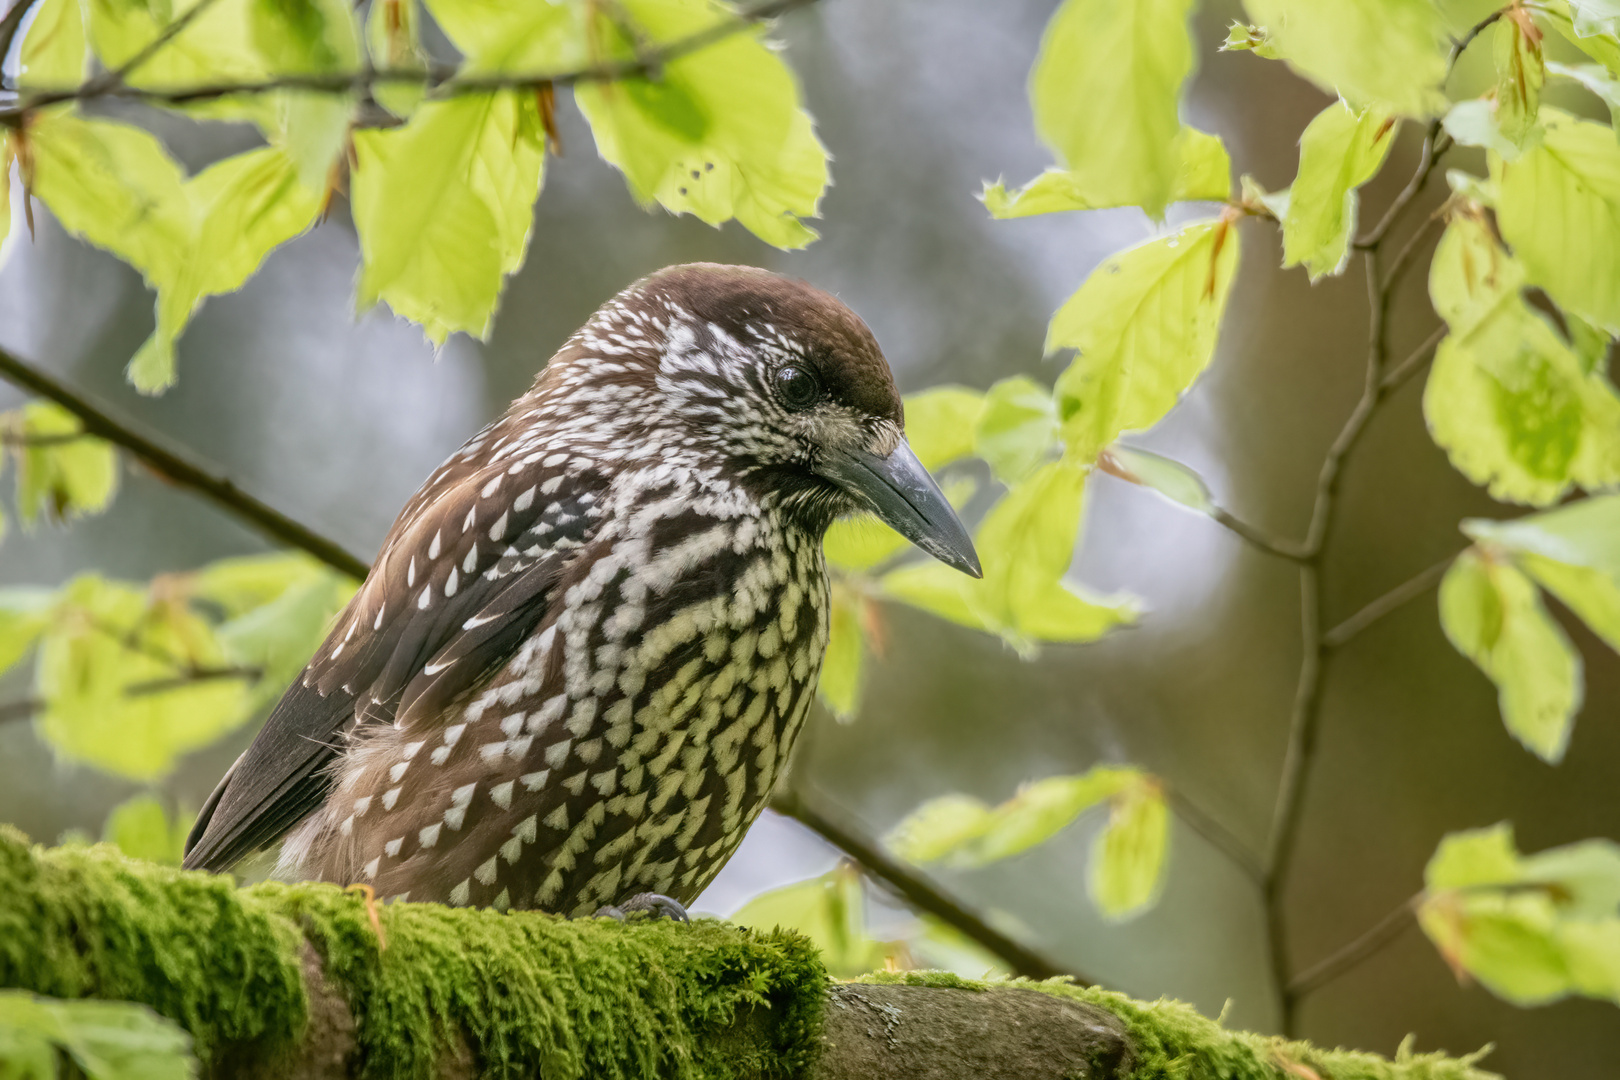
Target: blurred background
{"type": "Point", "coordinates": [336, 420]}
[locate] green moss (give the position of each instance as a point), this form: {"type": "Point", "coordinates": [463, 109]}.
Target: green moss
{"type": "Point", "coordinates": [531, 994]}
{"type": "Point", "coordinates": [1174, 1042]}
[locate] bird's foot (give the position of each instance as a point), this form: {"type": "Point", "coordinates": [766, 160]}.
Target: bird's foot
{"type": "Point", "coordinates": [656, 905]}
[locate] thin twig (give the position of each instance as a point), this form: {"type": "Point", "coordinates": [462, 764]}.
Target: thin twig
{"type": "Point", "coordinates": [1386, 930]}
{"type": "Point", "coordinates": [1396, 377]}
{"type": "Point", "coordinates": [440, 79]}
{"type": "Point", "coordinates": [1218, 835]}
{"type": "Point", "coordinates": [119, 76]}
{"type": "Point", "coordinates": [195, 675]}
{"type": "Point", "coordinates": [1391, 601]}
{"type": "Point", "coordinates": [918, 891]}
{"type": "Point", "coordinates": [20, 710]}
{"type": "Point", "coordinates": [1403, 258]}
{"type": "Point", "coordinates": [213, 485]}
{"type": "Point", "coordinates": [41, 442]}
{"type": "Point", "coordinates": [1268, 542]}
{"type": "Point", "coordinates": [1426, 163]}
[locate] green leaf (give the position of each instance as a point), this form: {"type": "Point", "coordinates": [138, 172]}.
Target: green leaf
{"type": "Point", "coordinates": [1596, 16]}
{"type": "Point", "coordinates": [1169, 478]}
{"type": "Point", "coordinates": [1558, 207]}
{"type": "Point", "coordinates": [1041, 810]}
{"type": "Point", "coordinates": [840, 685]}
{"type": "Point", "coordinates": [1521, 71]}
{"type": "Point", "coordinates": [1473, 123]}
{"type": "Point", "coordinates": [278, 609]}
{"type": "Point", "coordinates": [1017, 428]}
{"type": "Point", "coordinates": [1135, 57]}
{"type": "Point", "coordinates": [215, 47]}
{"type": "Point", "coordinates": [861, 543]}
{"type": "Point", "coordinates": [24, 615]}
{"type": "Point", "coordinates": [1241, 37]}
{"type": "Point", "coordinates": [1203, 172]}
{"type": "Point", "coordinates": [940, 828]}
{"type": "Point", "coordinates": [54, 52]}
{"type": "Point", "coordinates": [107, 1040]}
{"type": "Point", "coordinates": [1385, 52]}
{"type": "Point", "coordinates": [67, 479]}
{"type": "Point", "coordinates": [1128, 857]}
{"type": "Point", "coordinates": [1340, 150]}
{"type": "Point", "coordinates": [1532, 929]}
{"type": "Point", "coordinates": [1593, 596]}
{"type": "Point", "coordinates": [831, 911]}
{"type": "Point", "coordinates": [721, 135]}
{"type": "Point", "coordinates": [936, 588]}
{"type": "Point", "coordinates": [1145, 324]}
{"type": "Point", "coordinates": [1493, 615]}
{"type": "Point", "coordinates": [496, 35]}
{"type": "Point", "coordinates": [940, 423]}
{"type": "Point", "coordinates": [113, 673]}
{"type": "Point", "coordinates": [142, 829]}
{"type": "Point", "coordinates": [308, 37]}
{"type": "Point", "coordinates": [1596, 78]}
{"type": "Point", "coordinates": [1602, 47]}
{"type": "Point", "coordinates": [394, 42]}
{"type": "Point", "coordinates": [1514, 407]}
{"type": "Point", "coordinates": [443, 206]}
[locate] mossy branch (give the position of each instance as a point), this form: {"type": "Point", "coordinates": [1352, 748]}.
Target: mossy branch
{"type": "Point", "coordinates": [293, 981]}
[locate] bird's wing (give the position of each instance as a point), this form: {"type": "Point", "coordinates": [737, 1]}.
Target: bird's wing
{"type": "Point", "coordinates": [464, 577]}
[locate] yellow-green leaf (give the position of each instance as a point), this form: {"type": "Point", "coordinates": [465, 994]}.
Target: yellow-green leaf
{"type": "Point", "coordinates": [104, 1040]}
{"type": "Point", "coordinates": [1493, 615]}
{"type": "Point", "coordinates": [1203, 172]}
{"type": "Point", "coordinates": [1128, 857]}
{"type": "Point", "coordinates": [1169, 478]}
{"type": "Point", "coordinates": [308, 37]}
{"type": "Point", "coordinates": [1386, 52]}
{"type": "Point", "coordinates": [940, 828]}
{"type": "Point", "coordinates": [1145, 324]}
{"type": "Point", "coordinates": [1340, 150]}
{"type": "Point", "coordinates": [65, 479]}
{"type": "Point", "coordinates": [840, 685]}
{"type": "Point", "coordinates": [1558, 207]}
{"type": "Point", "coordinates": [831, 911]}
{"type": "Point", "coordinates": [1521, 70]}
{"type": "Point", "coordinates": [720, 135]}
{"type": "Point", "coordinates": [394, 43]}
{"type": "Point", "coordinates": [24, 615]}
{"type": "Point", "coordinates": [940, 422]}
{"type": "Point", "coordinates": [214, 47]}
{"type": "Point", "coordinates": [1507, 398]}
{"type": "Point", "coordinates": [142, 829]}
{"type": "Point", "coordinates": [443, 206]}
{"type": "Point", "coordinates": [54, 52]}
{"type": "Point", "coordinates": [1017, 428]}
{"type": "Point", "coordinates": [1133, 57]}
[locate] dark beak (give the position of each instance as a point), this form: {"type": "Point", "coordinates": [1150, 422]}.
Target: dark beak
{"type": "Point", "coordinates": [899, 490]}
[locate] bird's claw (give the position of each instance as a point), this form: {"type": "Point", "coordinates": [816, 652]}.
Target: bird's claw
{"type": "Point", "coordinates": [655, 905]}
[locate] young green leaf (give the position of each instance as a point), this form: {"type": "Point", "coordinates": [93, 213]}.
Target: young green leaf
{"type": "Point", "coordinates": [1169, 478]}
{"type": "Point", "coordinates": [940, 423]}
{"type": "Point", "coordinates": [1604, 47]}
{"type": "Point", "coordinates": [1241, 37]}
{"type": "Point", "coordinates": [54, 52]}
{"type": "Point", "coordinates": [60, 472]}
{"type": "Point", "coordinates": [1493, 615]}
{"type": "Point", "coordinates": [1596, 78]}
{"type": "Point", "coordinates": [1041, 810]}
{"type": "Point", "coordinates": [443, 206]}
{"type": "Point", "coordinates": [24, 615]}
{"type": "Point", "coordinates": [114, 673]}
{"type": "Point", "coordinates": [1135, 57]}
{"type": "Point", "coordinates": [720, 135]}
{"type": "Point", "coordinates": [1017, 428]}
{"type": "Point", "coordinates": [142, 829]}
{"type": "Point", "coordinates": [831, 911]}
{"type": "Point", "coordinates": [106, 1040]}
{"type": "Point", "coordinates": [308, 37]}
{"type": "Point", "coordinates": [1596, 16]}
{"type": "Point", "coordinates": [1340, 150]}
{"type": "Point", "coordinates": [496, 35]}
{"type": "Point", "coordinates": [1514, 407]}
{"type": "Point", "coordinates": [394, 42]}
{"type": "Point", "coordinates": [1203, 172]}
{"type": "Point", "coordinates": [861, 543]}
{"type": "Point", "coordinates": [940, 828]}
{"type": "Point", "coordinates": [840, 685]}
{"type": "Point", "coordinates": [1474, 123]}
{"type": "Point", "coordinates": [1558, 207]}
{"type": "Point", "coordinates": [1521, 70]}
{"type": "Point", "coordinates": [1128, 857]}
{"type": "Point", "coordinates": [1385, 52]}
{"type": "Point", "coordinates": [1145, 324]}
{"type": "Point", "coordinates": [1532, 929]}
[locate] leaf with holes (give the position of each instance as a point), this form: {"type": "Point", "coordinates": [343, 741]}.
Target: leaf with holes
{"type": "Point", "coordinates": [1493, 615]}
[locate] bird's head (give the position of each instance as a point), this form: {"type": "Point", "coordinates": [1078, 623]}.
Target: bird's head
{"type": "Point", "coordinates": [774, 379]}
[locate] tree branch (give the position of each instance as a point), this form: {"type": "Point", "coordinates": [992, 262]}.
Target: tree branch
{"type": "Point", "coordinates": [1397, 376]}
{"type": "Point", "coordinates": [1268, 542]}
{"type": "Point", "coordinates": [917, 890]}
{"type": "Point", "coordinates": [1386, 930]}
{"type": "Point", "coordinates": [1391, 601]}
{"type": "Point", "coordinates": [1218, 835]}
{"type": "Point", "coordinates": [212, 485]}
{"type": "Point", "coordinates": [441, 79]}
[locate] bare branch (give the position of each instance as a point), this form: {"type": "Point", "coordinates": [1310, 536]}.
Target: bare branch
{"type": "Point", "coordinates": [1324, 971]}
{"type": "Point", "coordinates": [211, 484]}
{"type": "Point", "coordinates": [1218, 835]}
{"type": "Point", "coordinates": [1263, 539]}
{"type": "Point", "coordinates": [1397, 597]}
{"type": "Point", "coordinates": [1397, 375]}
{"type": "Point", "coordinates": [917, 890]}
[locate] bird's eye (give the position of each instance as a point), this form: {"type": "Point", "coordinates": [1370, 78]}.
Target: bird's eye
{"type": "Point", "coordinates": [797, 387]}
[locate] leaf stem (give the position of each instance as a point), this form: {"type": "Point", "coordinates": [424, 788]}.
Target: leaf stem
{"type": "Point", "coordinates": [919, 892]}
{"type": "Point", "coordinates": [1218, 835]}
{"type": "Point", "coordinates": [211, 484]}
{"type": "Point", "coordinates": [1266, 541]}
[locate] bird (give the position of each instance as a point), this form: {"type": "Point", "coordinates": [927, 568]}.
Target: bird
{"type": "Point", "coordinates": [579, 664]}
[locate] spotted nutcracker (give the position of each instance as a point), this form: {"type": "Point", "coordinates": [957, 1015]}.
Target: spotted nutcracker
{"type": "Point", "coordinates": [581, 660]}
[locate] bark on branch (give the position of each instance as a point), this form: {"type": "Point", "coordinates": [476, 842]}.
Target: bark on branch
{"type": "Point", "coordinates": [309, 982]}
